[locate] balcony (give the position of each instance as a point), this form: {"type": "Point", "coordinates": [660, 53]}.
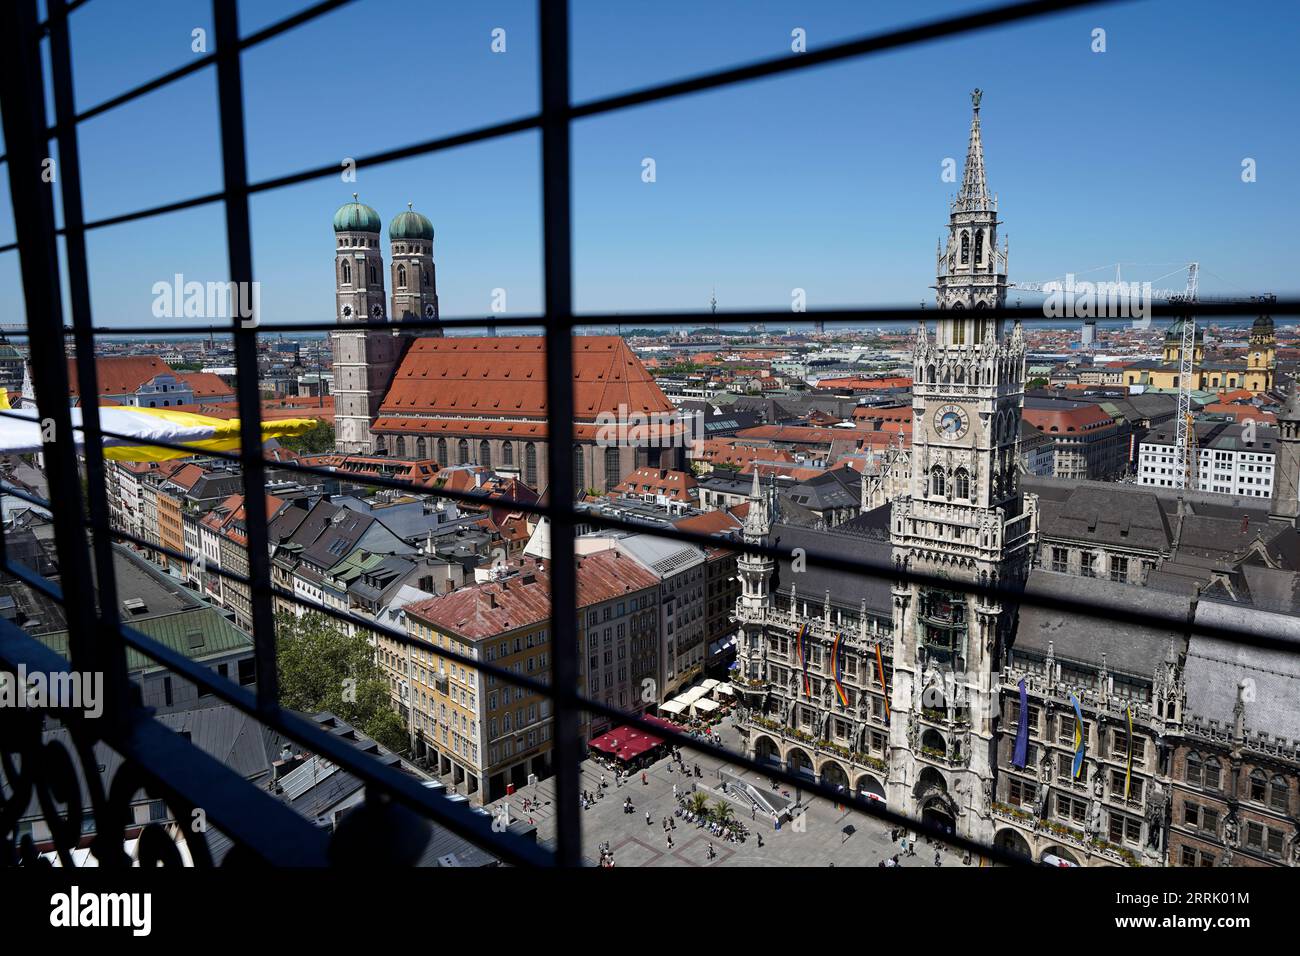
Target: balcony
{"type": "Point", "coordinates": [1066, 836]}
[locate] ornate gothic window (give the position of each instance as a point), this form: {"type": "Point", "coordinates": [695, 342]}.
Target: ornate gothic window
{"type": "Point", "coordinates": [485, 454]}
{"type": "Point", "coordinates": [401, 277]}
{"type": "Point", "coordinates": [442, 452]}
{"type": "Point", "coordinates": [530, 465]}
{"type": "Point", "coordinates": [347, 272]}
{"type": "Point", "coordinates": [462, 452]}
{"type": "Point", "coordinates": [421, 449]}
{"type": "Point", "coordinates": [979, 247]}
{"type": "Point", "coordinates": [612, 467]}
{"type": "Point", "coordinates": [965, 248]}
{"type": "Point", "coordinates": [508, 453]}
{"type": "Point", "coordinates": [373, 279]}
{"type": "Point", "coordinates": [936, 480]}
{"type": "Point", "coordinates": [400, 445]}
{"type": "Point", "coordinates": [961, 481]}
{"type": "Point", "coordinates": [579, 476]}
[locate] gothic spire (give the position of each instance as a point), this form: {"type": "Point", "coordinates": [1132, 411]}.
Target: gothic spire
{"type": "Point", "coordinates": [974, 192]}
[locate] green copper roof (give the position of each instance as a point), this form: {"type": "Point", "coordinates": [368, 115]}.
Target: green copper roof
{"type": "Point", "coordinates": [356, 217]}
{"type": "Point", "coordinates": [410, 225]}
{"type": "Point", "coordinates": [197, 633]}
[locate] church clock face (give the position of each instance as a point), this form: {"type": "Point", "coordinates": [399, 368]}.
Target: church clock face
{"type": "Point", "coordinates": [347, 311]}
{"type": "Point", "coordinates": [951, 422]}
{"type": "Point", "coordinates": [377, 311]}
{"type": "Point", "coordinates": [428, 311]}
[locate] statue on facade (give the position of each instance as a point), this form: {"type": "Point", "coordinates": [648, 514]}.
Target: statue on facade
{"type": "Point", "coordinates": [1094, 819]}
{"type": "Point", "coordinates": [1231, 830]}
{"type": "Point", "coordinates": [1155, 817]}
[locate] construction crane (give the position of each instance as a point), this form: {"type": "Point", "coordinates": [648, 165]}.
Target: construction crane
{"type": "Point", "coordinates": [1186, 454]}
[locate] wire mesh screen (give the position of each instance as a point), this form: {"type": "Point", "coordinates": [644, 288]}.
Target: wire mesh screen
{"type": "Point", "coordinates": [398, 809]}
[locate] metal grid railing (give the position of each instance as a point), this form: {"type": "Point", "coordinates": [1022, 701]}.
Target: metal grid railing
{"type": "Point", "coordinates": [259, 824]}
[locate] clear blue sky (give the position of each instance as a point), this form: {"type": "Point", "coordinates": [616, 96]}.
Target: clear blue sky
{"type": "Point", "coordinates": [828, 181]}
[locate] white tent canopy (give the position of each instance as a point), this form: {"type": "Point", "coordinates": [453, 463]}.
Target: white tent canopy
{"type": "Point", "coordinates": [704, 706]}
{"type": "Point", "coordinates": [672, 707]}
{"type": "Point", "coordinates": [692, 695]}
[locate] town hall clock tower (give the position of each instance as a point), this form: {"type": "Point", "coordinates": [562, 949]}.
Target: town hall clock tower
{"type": "Point", "coordinates": [963, 519]}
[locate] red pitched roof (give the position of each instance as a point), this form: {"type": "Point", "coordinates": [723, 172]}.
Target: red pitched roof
{"type": "Point", "coordinates": [120, 374]}
{"type": "Point", "coordinates": [675, 485]}
{"type": "Point", "coordinates": [205, 384]}
{"type": "Point", "coordinates": [506, 377]}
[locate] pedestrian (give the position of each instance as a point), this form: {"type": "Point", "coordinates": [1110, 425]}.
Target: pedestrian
{"type": "Point", "coordinates": [644, 780]}
{"type": "Point", "coordinates": [760, 841]}
{"type": "Point", "coordinates": [938, 858]}
{"type": "Point", "coordinates": [647, 818]}
{"type": "Point", "coordinates": [753, 812]}
{"type": "Point", "coordinates": [670, 841]}
{"type": "Point", "coordinates": [674, 791]}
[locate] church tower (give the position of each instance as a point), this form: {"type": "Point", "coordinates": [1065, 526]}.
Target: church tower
{"type": "Point", "coordinates": [755, 574]}
{"type": "Point", "coordinates": [415, 285]}
{"type": "Point", "coordinates": [364, 359]}
{"type": "Point", "coordinates": [1261, 360]}
{"type": "Point", "coordinates": [963, 519]}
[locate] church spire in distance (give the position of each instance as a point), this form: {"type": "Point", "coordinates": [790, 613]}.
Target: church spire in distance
{"type": "Point", "coordinates": [974, 189]}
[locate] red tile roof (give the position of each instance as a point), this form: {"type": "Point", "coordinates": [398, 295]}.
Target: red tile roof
{"type": "Point", "coordinates": [674, 485]}
{"type": "Point", "coordinates": [205, 384]}
{"type": "Point", "coordinates": [506, 377]}
{"type": "Point", "coordinates": [710, 522]}
{"type": "Point", "coordinates": [858, 383]}
{"type": "Point", "coordinates": [120, 374]}
{"type": "Point", "coordinates": [495, 607]}
{"type": "Point", "coordinates": [1083, 417]}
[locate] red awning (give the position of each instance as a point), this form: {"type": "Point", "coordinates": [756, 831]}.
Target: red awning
{"type": "Point", "coordinates": [625, 743]}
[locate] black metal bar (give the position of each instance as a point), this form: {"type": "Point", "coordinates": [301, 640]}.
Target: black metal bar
{"type": "Point", "coordinates": [171, 76]}
{"type": "Point", "coordinates": [966, 23]}
{"type": "Point", "coordinates": [33, 206]}
{"type": "Point", "coordinates": [230, 99]}
{"type": "Point", "coordinates": [115, 678]}
{"type": "Point", "coordinates": [557, 251]}
{"type": "Point", "coordinates": [873, 314]}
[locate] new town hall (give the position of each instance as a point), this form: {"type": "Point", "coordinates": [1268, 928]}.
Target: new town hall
{"type": "Point", "coordinates": [1191, 745]}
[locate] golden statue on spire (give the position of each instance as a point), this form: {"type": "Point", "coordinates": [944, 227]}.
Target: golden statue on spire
{"type": "Point", "coordinates": [975, 97]}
